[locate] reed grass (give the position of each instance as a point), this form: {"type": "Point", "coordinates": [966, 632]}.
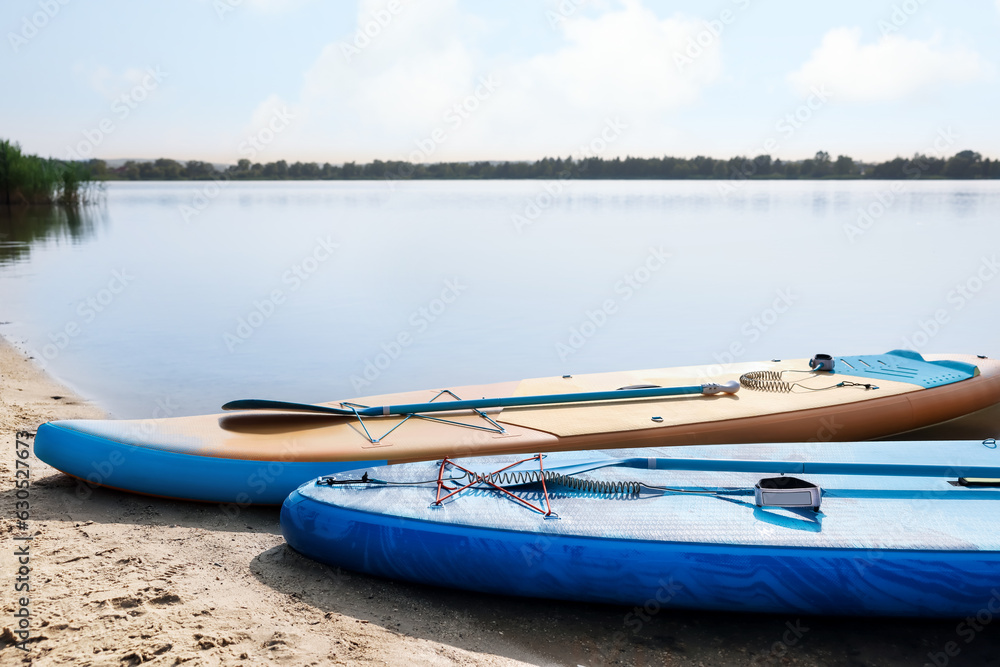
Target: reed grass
{"type": "Point", "coordinates": [29, 179]}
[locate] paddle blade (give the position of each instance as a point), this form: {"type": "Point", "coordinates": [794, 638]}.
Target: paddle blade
{"type": "Point", "coordinates": [264, 404]}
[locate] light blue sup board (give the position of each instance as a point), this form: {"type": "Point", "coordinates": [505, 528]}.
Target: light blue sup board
{"type": "Point", "coordinates": [902, 528]}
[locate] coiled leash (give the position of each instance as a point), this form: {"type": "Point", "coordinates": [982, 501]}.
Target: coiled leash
{"type": "Point", "coordinates": [774, 381]}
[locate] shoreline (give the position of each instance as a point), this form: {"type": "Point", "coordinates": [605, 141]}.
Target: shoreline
{"type": "Point", "coordinates": [123, 579]}
{"type": "Point", "coordinates": [29, 395]}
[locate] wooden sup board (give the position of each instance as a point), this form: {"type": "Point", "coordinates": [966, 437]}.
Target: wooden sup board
{"type": "Point", "coordinates": [261, 456]}
{"type": "Point", "coordinates": [880, 528]}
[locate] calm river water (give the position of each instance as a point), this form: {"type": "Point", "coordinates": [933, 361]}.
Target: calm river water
{"type": "Point", "coordinates": [174, 298]}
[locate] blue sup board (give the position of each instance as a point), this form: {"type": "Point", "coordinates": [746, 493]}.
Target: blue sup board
{"type": "Point", "coordinates": [900, 529]}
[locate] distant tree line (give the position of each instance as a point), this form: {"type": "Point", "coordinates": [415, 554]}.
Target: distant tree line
{"type": "Point", "coordinates": [962, 165]}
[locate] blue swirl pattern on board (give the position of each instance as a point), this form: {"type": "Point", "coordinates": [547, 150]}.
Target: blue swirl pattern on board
{"type": "Point", "coordinates": [881, 546]}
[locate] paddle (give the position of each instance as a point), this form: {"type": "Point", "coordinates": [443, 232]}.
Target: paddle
{"type": "Point", "coordinates": [783, 467]}
{"type": "Point", "coordinates": [730, 387]}
{"type": "Point", "coordinates": [264, 404]}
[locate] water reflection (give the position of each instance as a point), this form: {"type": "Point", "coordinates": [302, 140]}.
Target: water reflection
{"type": "Point", "coordinates": [964, 203]}
{"type": "Point", "coordinates": [858, 284]}
{"type": "Point", "coordinates": [24, 226]}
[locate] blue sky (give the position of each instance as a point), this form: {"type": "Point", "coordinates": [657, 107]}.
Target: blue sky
{"type": "Point", "coordinates": [438, 80]}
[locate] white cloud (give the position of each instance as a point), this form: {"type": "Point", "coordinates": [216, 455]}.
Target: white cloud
{"type": "Point", "coordinates": [396, 75]}
{"type": "Point", "coordinates": [400, 80]}
{"type": "Point", "coordinates": [621, 63]}
{"type": "Point", "coordinates": [893, 68]}
{"type": "Point", "coordinates": [99, 78]}
{"type": "Point", "coordinates": [110, 85]}
{"type": "Point", "coordinates": [272, 106]}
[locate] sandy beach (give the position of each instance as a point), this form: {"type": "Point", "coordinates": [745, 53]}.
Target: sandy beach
{"type": "Point", "coordinates": [121, 579]}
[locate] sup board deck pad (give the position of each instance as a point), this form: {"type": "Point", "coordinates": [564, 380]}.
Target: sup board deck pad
{"type": "Point", "coordinates": [260, 456]}
{"type": "Point", "coordinates": [878, 545]}
{"type": "Point", "coordinates": [906, 366]}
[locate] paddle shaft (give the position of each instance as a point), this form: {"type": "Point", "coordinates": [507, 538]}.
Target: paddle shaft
{"type": "Point", "coordinates": [521, 401]}
{"type": "Point", "coordinates": [485, 403]}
